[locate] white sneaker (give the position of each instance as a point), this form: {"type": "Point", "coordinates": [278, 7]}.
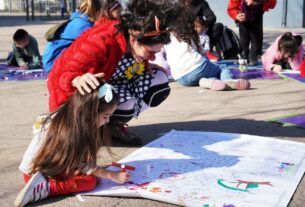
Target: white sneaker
{"type": "Point", "coordinates": [36, 189]}
{"type": "Point", "coordinates": [212, 84]}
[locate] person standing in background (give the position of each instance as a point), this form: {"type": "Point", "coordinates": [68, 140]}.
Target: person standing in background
{"type": "Point", "coordinates": [63, 8]}
{"type": "Point", "coordinates": [249, 16]}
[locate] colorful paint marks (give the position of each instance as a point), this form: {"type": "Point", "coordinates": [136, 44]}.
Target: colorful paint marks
{"type": "Point", "coordinates": [241, 185]}
{"type": "Point", "coordinates": [155, 189]}
{"type": "Point", "coordinates": [287, 168]}
{"type": "Point", "coordinates": [172, 176]}
{"type": "Point", "coordinates": [228, 205]}
{"type": "Point", "coordinates": [139, 186]}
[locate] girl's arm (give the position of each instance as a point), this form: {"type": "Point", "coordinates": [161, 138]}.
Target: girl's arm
{"type": "Point", "coordinates": [298, 59]}
{"type": "Point", "coordinates": [269, 57]}
{"type": "Point", "coordinates": [119, 177]}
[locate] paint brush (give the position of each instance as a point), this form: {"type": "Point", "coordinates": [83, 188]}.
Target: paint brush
{"type": "Point", "coordinates": [123, 166]}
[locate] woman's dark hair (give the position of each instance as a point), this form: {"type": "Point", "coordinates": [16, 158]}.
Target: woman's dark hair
{"type": "Point", "coordinates": [140, 16]}
{"type": "Point", "coordinates": [289, 44]}
{"type": "Point", "coordinates": [73, 136]}
{"type": "Point", "coordinates": [20, 35]}
{"type": "Point", "coordinates": [183, 26]}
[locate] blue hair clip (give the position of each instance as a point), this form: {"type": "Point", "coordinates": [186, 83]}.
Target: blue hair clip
{"type": "Point", "coordinates": [106, 91]}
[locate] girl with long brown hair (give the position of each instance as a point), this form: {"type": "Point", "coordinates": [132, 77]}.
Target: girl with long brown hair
{"type": "Point", "coordinates": [62, 157]}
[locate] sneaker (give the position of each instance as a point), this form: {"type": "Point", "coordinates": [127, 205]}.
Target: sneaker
{"type": "Point", "coordinates": [212, 57]}
{"type": "Point", "coordinates": [252, 63]}
{"type": "Point", "coordinates": [120, 132]}
{"type": "Point", "coordinates": [212, 84]}
{"type": "Point", "coordinates": [36, 189]}
{"type": "Point", "coordinates": [239, 84]}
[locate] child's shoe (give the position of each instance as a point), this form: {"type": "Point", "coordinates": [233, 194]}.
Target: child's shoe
{"type": "Point", "coordinates": [36, 189]}
{"type": "Point", "coordinates": [212, 84]}
{"type": "Point", "coordinates": [239, 84]}
{"type": "Point", "coordinates": [119, 131]}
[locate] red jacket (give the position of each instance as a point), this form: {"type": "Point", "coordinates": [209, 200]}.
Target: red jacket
{"type": "Point", "coordinates": [97, 50]}
{"type": "Point", "coordinates": [234, 5]}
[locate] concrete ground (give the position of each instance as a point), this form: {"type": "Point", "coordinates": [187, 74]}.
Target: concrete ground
{"type": "Point", "coordinates": [187, 108]}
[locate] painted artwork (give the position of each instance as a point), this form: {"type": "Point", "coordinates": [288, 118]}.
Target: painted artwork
{"type": "Point", "coordinates": [210, 169]}
{"type": "Point", "coordinates": [292, 120]}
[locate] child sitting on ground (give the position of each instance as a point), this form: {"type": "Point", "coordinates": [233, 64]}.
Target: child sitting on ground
{"type": "Point", "coordinates": [188, 66]}
{"type": "Point", "coordinates": [25, 51]}
{"type": "Point", "coordinates": [285, 53]}
{"type": "Point", "coordinates": [204, 39]}
{"type": "Point", "coordinates": [62, 157]}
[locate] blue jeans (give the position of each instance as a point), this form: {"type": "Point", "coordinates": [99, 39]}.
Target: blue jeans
{"type": "Point", "coordinates": [206, 70]}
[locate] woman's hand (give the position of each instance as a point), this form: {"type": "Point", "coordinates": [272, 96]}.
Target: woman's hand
{"type": "Point", "coordinates": [86, 82]}
{"type": "Point", "coordinates": [120, 177]}
{"type": "Point", "coordinates": [241, 17]}
{"type": "Point", "coordinates": [152, 66]}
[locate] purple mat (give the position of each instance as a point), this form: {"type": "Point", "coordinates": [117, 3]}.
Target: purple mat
{"type": "Point", "coordinates": [22, 75]}
{"type": "Point", "coordinates": [255, 74]}
{"type": "Point", "coordinates": [6, 67]}
{"type": "Point", "coordinates": [297, 77]}
{"type": "Point", "coordinates": [298, 120]}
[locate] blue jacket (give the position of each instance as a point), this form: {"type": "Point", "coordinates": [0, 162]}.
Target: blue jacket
{"type": "Point", "coordinates": [78, 24]}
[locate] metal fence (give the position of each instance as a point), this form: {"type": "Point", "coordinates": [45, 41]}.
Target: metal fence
{"type": "Point", "coordinates": [44, 9]}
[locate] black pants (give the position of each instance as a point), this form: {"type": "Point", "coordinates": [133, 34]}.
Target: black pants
{"type": "Point", "coordinates": [251, 32]}
{"type": "Point", "coordinates": [214, 33]}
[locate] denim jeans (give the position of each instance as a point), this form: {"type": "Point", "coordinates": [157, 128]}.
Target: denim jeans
{"type": "Point", "coordinates": [206, 70]}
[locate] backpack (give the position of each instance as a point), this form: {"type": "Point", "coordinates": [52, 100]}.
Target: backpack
{"type": "Point", "coordinates": [54, 32]}
{"type": "Point", "coordinates": [228, 46]}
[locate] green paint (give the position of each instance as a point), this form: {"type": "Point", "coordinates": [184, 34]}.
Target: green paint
{"type": "Point", "coordinates": [206, 205]}
{"type": "Point", "coordinates": [252, 185]}
{"type": "Point", "coordinates": [219, 181]}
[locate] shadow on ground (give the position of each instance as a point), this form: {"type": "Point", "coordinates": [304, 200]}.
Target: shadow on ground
{"type": "Point", "coordinates": [240, 126]}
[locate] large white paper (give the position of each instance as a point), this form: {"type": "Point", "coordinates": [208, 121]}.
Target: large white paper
{"type": "Point", "coordinates": [213, 169]}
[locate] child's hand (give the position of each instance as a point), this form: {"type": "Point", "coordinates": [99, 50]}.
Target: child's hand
{"type": "Point", "coordinates": [277, 68]}
{"type": "Point", "coordinates": [241, 17]}
{"type": "Point", "coordinates": [24, 66]}
{"type": "Point", "coordinates": [120, 177]}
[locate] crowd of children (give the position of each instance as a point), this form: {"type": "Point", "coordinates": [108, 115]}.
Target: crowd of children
{"type": "Point", "coordinates": [133, 52]}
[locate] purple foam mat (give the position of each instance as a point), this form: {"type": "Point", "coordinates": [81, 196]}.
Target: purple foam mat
{"type": "Point", "coordinates": [22, 75]}
{"type": "Point", "coordinates": [7, 67]}
{"type": "Point", "coordinates": [298, 120]}
{"type": "Point", "coordinates": [295, 76]}
{"type": "Point", "coordinates": [255, 74]}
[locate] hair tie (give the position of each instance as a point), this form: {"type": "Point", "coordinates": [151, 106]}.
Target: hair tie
{"type": "Point", "coordinates": [157, 29]}
{"type": "Point", "coordinates": [106, 91]}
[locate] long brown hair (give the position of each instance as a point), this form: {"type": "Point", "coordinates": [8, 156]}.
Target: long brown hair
{"type": "Point", "coordinates": [73, 136]}
{"type": "Point", "coordinates": [92, 8]}
{"type": "Point", "coordinates": [107, 6]}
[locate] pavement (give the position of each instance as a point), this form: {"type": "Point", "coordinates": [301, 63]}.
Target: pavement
{"type": "Point", "coordinates": [187, 108]}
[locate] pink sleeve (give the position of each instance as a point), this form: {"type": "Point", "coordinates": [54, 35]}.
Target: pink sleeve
{"type": "Point", "coordinates": [297, 61]}
{"type": "Point", "coordinates": [270, 55]}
